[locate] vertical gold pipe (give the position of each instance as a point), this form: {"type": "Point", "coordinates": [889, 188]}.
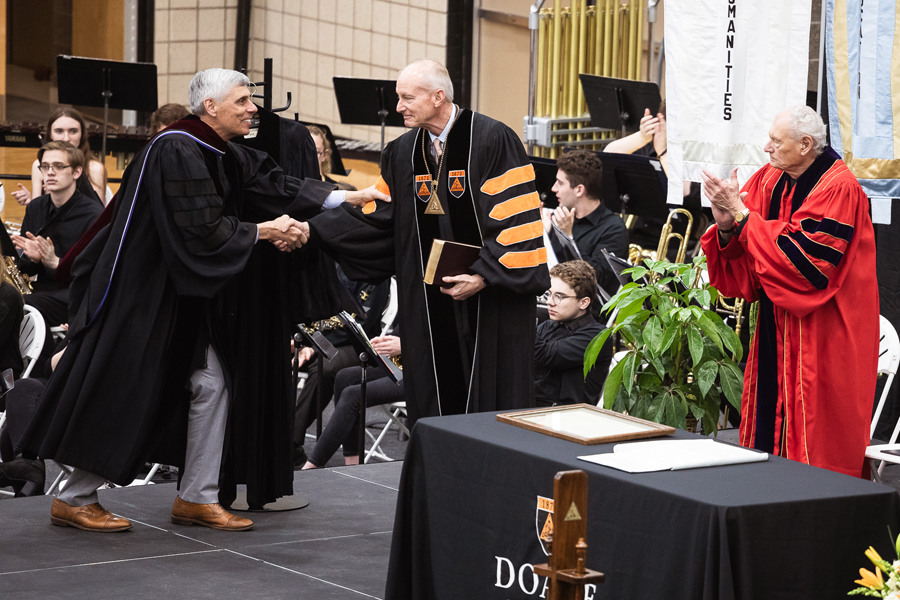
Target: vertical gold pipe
{"type": "Point", "coordinates": [554, 63]}
{"type": "Point", "coordinates": [640, 40]}
{"type": "Point", "coordinates": [632, 38]}
{"type": "Point", "coordinates": [542, 65]}
{"type": "Point", "coordinates": [574, 43]}
{"type": "Point", "coordinates": [582, 58]}
{"type": "Point", "coordinates": [616, 35]}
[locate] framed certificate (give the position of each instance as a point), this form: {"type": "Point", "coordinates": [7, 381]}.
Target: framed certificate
{"type": "Point", "coordinates": [585, 424]}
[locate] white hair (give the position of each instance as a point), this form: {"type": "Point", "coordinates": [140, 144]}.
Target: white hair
{"type": "Point", "coordinates": [804, 122]}
{"type": "Point", "coordinates": [215, 84]}
{"type": "Point", "coordinates": [432, 75]}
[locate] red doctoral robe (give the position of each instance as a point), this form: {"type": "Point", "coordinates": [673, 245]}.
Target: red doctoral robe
{"type": "Point", "coordinates": [807, 253]}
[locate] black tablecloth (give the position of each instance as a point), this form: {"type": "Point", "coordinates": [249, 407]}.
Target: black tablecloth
{"type": "Point", "coordinates": [468, 520]}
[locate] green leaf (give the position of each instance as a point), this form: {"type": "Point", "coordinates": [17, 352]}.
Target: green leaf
{"type": "Point", "coordinates": [593, 350]}
{"type": "Point", "coordinates": [704, 297]}
{"type": "Point", "coordinates": [612, 385]}
{"type": "Point", "coordinates": [706, 376]}
{"type": "Point", "coordinates": [672, 331]}
{"type": "Point", "coordinates": [732, 383]}
{"type": "Point", "coordinates": [705, 322]}
{"type": "Point", "coordinates": [658, 366]}
{"type": "Point", "coordinates": [695, 345]}
{"type": "Point", "coordinates": [653, 333]}
{"type": "Point", "coordinates": [729, 337]}
{"type": "Point", "coordinates": [632, 362]}
{"type": "Point", "coordinates": [635, 272]}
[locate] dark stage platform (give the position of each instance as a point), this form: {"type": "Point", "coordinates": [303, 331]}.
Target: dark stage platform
{"type": "Point", "coordinates": [335, 548]}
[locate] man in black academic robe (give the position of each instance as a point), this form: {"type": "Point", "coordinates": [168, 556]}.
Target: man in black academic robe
{"type": "Point", "coordinates": [467, 347]}
{"type": "Point", "coordinates": [147, 309]}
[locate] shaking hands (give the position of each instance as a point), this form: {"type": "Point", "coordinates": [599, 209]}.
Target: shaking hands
{"type": "Point", "coordinates": [285, 233]}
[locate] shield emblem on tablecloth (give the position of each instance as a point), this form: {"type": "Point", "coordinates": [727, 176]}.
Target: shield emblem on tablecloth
{"type": "Point", "coordinates": [423, 187]}
{"type": "Point", "coordinates": [543, 521]}
{"type": "Point", "coordinates": [457, 183]}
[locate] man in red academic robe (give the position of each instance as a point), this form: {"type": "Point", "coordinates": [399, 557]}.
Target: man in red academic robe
{"type": "Point", "coordinates": [799, 239]}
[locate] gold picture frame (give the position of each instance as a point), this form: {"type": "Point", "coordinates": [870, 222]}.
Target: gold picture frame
{"type": "Point", "coordinates": [585, 424]}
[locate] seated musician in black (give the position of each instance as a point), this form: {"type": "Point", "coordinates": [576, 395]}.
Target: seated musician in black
{"type": "Point", "coordinates": [561, 341]}
{"type": "Point", "coordinates": [52, 224]}
{"type": "Point", "coordinates": [582, 216]}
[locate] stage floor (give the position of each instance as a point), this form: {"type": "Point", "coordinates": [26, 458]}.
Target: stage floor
{"type": "Point", "coordinates": [335, 548]}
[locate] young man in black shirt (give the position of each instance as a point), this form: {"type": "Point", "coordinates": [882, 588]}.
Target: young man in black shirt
{"type": "Point", "coordinates": [560, 342]}
{"type": "Point", "coordinates": [582, 216]}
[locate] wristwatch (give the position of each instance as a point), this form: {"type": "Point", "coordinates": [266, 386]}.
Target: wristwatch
{"type": "Point", "coordinates": [741, 215]}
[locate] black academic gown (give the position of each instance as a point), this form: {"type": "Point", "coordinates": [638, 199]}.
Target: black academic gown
{"type": "Point", "coordinates": [458, 357]}
{"type": "Point", "coordinates": [284, 288]}
{"type": "Point", "coordinates": [147, 297]}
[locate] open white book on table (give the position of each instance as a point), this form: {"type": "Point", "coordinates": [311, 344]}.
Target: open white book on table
{"type": "Point", "coordinates": [666, 455]}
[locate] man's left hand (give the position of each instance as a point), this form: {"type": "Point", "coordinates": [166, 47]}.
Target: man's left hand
{"type": "Point", "coordinates": [465, 286]}
{"type": "Point", "coordinates": [363, 197]}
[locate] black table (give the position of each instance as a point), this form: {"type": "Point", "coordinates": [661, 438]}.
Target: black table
{"type": "Point", "coordinates": [468, 520]}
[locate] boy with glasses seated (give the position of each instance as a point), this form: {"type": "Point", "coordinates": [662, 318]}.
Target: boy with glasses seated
{"type": "Point", "coordinates": [561, 341]}
{"type": "Point", "coordinates": [52, 224]}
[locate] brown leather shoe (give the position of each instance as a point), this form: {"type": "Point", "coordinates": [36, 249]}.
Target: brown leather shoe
{"type": "Point", "coordinates": [208, 515]}
{"type": "Point", "coordinates": [92, 517]}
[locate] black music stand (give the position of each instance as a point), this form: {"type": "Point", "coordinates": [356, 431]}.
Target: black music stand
{"type": "Point", "coordinates": [634, 184]}
{"type": "Point", "coordinates": [324, 350]}
{"type": "Point", "coordinates": [618, 103]}
{"type": "Point", "coordinates": [360, 342]}
{"type": "Point", "coordinates": [544, 177]}
{"type": "Point", "coordinates": [368, 102]}
{"type": "Point", "coordinates": [106, 83]}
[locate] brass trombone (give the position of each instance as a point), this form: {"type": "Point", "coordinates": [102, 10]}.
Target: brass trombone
{"type": "Point", "coordinates": [666, 237]}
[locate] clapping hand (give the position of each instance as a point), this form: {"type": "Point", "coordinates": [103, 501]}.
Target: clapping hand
{"type": "Point", "coordinates": [22, 195]}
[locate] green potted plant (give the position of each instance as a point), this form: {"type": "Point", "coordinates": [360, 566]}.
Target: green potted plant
{"type": "Point", "coordinates": [681, 355]}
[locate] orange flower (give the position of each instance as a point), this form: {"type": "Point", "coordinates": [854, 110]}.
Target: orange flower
{"type": "Point", "coordinates": [872, 555]}
{"type": "Point", "coordinates": [870, 579]}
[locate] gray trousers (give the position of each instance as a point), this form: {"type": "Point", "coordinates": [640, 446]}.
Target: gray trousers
{"type": "Point", "coordinates": [207, 418]}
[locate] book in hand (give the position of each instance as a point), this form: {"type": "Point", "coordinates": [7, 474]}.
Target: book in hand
{"type": "Point", "coordinates": [448, 259]}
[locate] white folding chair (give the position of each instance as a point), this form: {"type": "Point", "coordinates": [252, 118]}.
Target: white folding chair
{"type": "Point", "coordinates": [888, 360]}
{"type": "Point", "coordinates": [393, 412]}
{"type": "Point", "coordinates": [31, 338]}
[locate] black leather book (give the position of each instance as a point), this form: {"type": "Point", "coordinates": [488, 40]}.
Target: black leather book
{"type": "Point", "coordinates": [448, 259]}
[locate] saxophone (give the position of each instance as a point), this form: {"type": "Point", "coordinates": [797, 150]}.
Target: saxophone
{"type": "Point", "coordinates": [12, 274]}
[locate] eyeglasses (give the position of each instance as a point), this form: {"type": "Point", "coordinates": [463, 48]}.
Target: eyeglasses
{"type": "Point", "coordinates": [55, 167]}
{"type": "Point", "coordinates": [556, 298]}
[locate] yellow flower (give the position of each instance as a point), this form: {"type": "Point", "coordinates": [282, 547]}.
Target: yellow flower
{"type": "Point", "coordinates": [870, 579]}
{"type": "Point", "coordinates": [872, 555]}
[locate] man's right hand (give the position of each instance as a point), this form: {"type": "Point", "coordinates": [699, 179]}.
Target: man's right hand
{"type": "Point", "coordinates": [22, 195]}
{"type": "Point", "coordinates": [285, 233]}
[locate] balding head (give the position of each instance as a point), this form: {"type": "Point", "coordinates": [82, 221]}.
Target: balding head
{"type": "Point", "coordinates": [429, 75]}
{"type": "Point", "coordinates": [425, 96]}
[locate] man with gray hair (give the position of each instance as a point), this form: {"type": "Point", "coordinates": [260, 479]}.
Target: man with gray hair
{"type": "Point", "coordinates": [145, 376]}
{"type": "Point", "coordinates": [457, 176]}
{"type": "Point", "coordinates": [799, 239]}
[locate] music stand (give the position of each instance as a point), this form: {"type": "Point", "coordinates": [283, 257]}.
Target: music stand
{"type": "Point", "coordinates": [106, 83]}
{"type": "Point", "coordinates": [633, 184]}
{"type": "Point", "coordinates": [544, 177]}
{"type": "Point", "coordinates": [324, 349]}
{"type": "Point", "coordinates": [368, 102]}
{"type": "Point", "coordinates": [618, 103]}
{"type": "Point", "coordinates": [360, 342]}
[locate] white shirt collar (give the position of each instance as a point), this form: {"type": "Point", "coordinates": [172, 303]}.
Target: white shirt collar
{"type": "Point", "coordinates": [443, 136]}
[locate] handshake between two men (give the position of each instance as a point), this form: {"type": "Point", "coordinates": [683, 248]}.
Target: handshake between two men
{"type": "Point", "coordinates": [288, 234]}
